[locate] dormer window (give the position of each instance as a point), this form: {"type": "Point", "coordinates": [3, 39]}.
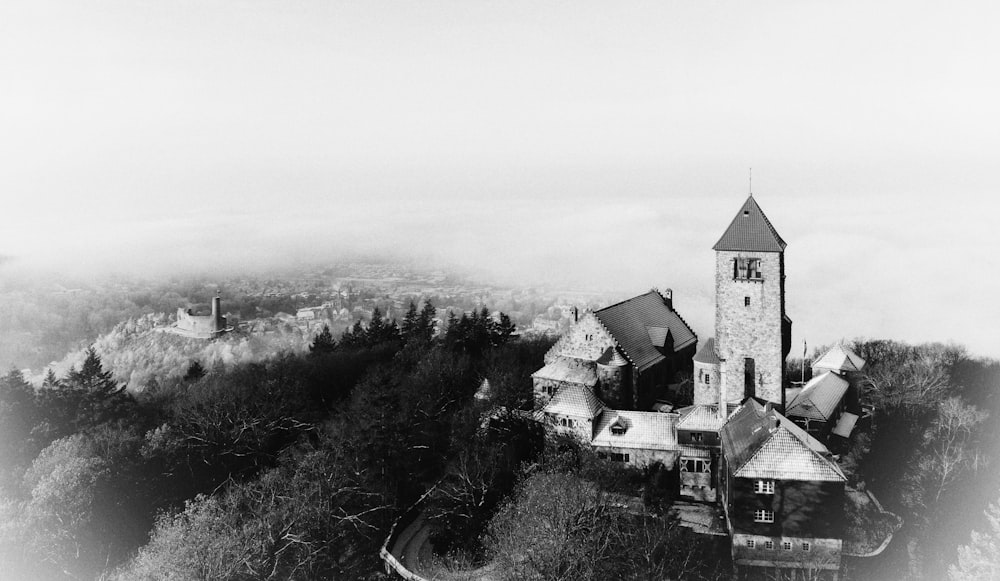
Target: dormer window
{"type": "Point", "coordinates": [747, 269]}
{"type": "Point", "coordinates": [619, 427]}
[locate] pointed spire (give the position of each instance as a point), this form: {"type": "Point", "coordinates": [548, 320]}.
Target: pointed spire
{"type": "Point", "coordinates": [750, 230]}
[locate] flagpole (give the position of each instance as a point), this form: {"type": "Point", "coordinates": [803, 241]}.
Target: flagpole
{"type": "Point", "coordinates": [803, 381]}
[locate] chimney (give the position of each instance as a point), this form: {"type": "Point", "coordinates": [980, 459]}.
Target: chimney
{"type": "Point", "coordinates": [668, 298]}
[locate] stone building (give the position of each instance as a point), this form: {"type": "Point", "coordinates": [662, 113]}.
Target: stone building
{"type": "Point", "coordinates": [202, 326]}
{"type": "Point", "coordinates": [740, 445]}
{"type": "Point", "coordinates": [627, 352]}
{"type": "Point", "coordinates": [781, 492]}
{"type": "Point", "coordinates": [753, 335]}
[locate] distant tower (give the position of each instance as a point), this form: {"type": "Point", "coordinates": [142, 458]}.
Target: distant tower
{"type": "Point", "coordinates": [752, 333]}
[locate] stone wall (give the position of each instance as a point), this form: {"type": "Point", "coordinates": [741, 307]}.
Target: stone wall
{"type": "Point", "coordinates": [639, 457]}
{"type": "Point", "coordinates": [824, 554]}
{"type": "Point", "coordinates": [706, 393]}
{"type": "Point", "coordinates": [753, 331]}
{"type": "Point", "coordinates": [587, 339]}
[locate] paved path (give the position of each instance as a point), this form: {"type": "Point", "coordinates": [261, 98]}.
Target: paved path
{"type": "Point", "coordinates": [414, 551]}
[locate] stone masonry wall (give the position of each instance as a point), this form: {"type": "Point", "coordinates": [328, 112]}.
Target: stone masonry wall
{"type": "Point", "coordinates": [706, 393]}
{"type": "Point", "coordinates": [822, 554]}
{"type": "Point", "coordinates": [586, 339]}
{"type": "Point", "coordinates": [750, 331]}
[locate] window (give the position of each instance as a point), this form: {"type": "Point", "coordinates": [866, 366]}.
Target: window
{"type": "Point", "coordinates": [696, 437]}
{"type": "Point", "coordinates": [706, 379]}
{"type": "Point", "coordinates": [768, 545]}
{"type": "Point", "coordinates": [616, 457]}
{"type": "Point", "coordinates": [787, 545]}
{"type": "Point", "coordinates": [746, 301]}
{"type": "Point", "coordinates": [695, 465]}
{"type": "Point", "coordinates": [751, 543]}
{"type": "Point", "coordinates": [806, 547]}
{"type": "Point", "coordinates": [764, 487]}
{"type": "Point", "coordinates": [762, 515]}
{"type": "Point", "coordinates": [747, 269]}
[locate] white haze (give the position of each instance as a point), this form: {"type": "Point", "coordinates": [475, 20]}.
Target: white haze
{"type": "Point", "coordinates": [582, 144]}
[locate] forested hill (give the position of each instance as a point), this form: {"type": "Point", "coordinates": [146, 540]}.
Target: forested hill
{"type": "Point", "coordinates": [141, 352]}
{"type": "Point", "coordinates": [296, 466]}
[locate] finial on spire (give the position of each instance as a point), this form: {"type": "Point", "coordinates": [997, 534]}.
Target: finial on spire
{"type": "Point", "coordinates": [751, 182]}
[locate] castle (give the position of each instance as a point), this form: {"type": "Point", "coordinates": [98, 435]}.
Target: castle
{"type": "Point", "coordinates": [748, 444]}
{"type": "Point", "coordinates": [202, 326]}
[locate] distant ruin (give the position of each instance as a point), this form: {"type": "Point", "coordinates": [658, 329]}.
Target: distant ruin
{"type": "Point", "coordinates": [202, 326]}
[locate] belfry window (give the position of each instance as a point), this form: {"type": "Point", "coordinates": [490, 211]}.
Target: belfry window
{"type": "Point", "coordinates": [747, 269]}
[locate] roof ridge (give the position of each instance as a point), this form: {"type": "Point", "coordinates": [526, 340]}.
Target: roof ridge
{"type": "Point", "coordinates": [623, 301]}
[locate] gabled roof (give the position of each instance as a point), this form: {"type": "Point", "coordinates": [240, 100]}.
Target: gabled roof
{"type": "Point", "coordinates": [568, 370]}
{"type": "Point", "coordinates": [707, 353]}
{"type": "Point", "coordinates": [819, 398]}
{"type": "Point", "coordinates": [703, 417]}
{"type": "Point", "coordinates": [630, 321]}
{"type": "Point", "coordinates": [750, 230]}
{"type": "Point", "coordinates": [574, 400]}
{"type": "Point", "coordinates": [644, 430]}
{"type": "Point", "coordinates": [761, 443]}
{"type": "Point", "coordinates": [840, 358]}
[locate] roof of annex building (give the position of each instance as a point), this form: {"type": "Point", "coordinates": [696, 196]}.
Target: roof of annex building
{"type": "Point", "coordinates": [574, 400]}
{"type": "Point", "coordinates": [641, 325]}
{"type": "Point", "coordinates": [840, 358]}
{"type": "Point", "coordinates": [703, 417]}
{"type": "Point", "coordinates": [568, 370]}
{"type": "Point", "coordinates": [750, 230]}
{"type": "Point", "coordinates": [759, 442]}
{"type": "Point", "coordinates": [819, 398]}
{"type": "Point", "coordinates": [639, 430]}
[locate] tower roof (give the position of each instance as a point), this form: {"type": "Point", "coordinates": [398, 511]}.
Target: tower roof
{"type": "Point", "coordinates": [751, 230]}
{"type": "Point", "coordinates": [707, 353]}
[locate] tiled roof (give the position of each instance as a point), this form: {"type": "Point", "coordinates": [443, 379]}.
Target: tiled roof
{"type": "Point", "coordinates": [819, 398]}
{"type": "Point", "coordinates": [568, 370]}
{"type": "Point", "coordinates": [751, 230]}
{"type": "Point", "coordinates": [707, 353]}
{"type": "Point", "coordinates": [629, 323]}
{"type": "Point", "coordinates": [761, 443]}
{"type": "Point", "coordinates": [574, 400]}
{"type": "Point", "coordinates": [784, 457]}
{"type": "Point", "coordinates": [703, 417]}
{"type": "Point", "coordinates": [612, 357]}
{"type": "Point", "coordinates": [845, 425]}
{"type": "Point", "coordinates": [644, 430]}
{"type": "Point", "coordinates": [840, 358]}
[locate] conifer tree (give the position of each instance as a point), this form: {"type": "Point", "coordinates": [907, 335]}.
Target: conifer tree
{"type": "Point", "coordinates": [92, 378]}
{"type": "Point", "coordinates": [376, 328]}
{"type": "Point", "coordinates": [195, 372]}
{"type": "Point", "coordinates": [323, 343]}
{"type": "Point", "coordinates": [410, 326]}
{"type": "Point", "coordinates": [425, 322]}
{"type": "Point", "coordinates": [51, 381]}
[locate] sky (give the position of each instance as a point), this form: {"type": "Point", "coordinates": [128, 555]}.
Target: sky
{"type": "Point", "coordinates": [596, 145]}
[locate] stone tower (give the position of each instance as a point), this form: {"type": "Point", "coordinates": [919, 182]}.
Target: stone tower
{"type": "Point", "coordinates": [752, 333]}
